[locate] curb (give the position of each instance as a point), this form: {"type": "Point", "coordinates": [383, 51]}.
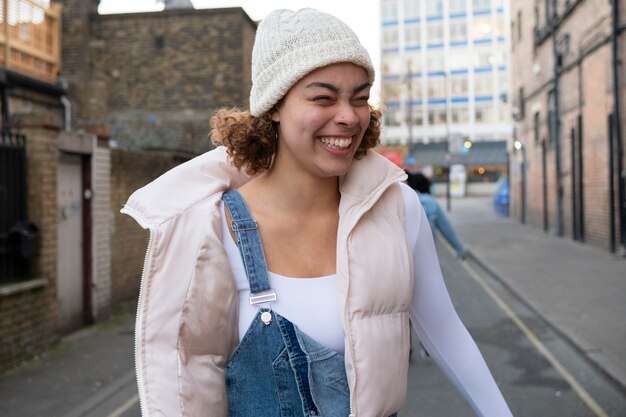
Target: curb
{"type": "Point", "coordinates": [498, 277]}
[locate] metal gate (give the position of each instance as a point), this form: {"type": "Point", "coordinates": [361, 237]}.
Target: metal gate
{"type": "Point", "coordinates": [13, 266]}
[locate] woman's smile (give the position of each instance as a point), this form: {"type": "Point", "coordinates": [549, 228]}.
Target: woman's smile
{"type": "Point", "coordinates": [337, 145]}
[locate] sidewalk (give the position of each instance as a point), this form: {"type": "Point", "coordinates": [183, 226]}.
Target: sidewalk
{"type": "Point", "coordinates": [578, 288]}
{"type": "Point", "coordinates": [76, 375]}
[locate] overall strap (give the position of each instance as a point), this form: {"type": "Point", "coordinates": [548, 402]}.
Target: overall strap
{"type": "Point", "coordinates": [250, 248]}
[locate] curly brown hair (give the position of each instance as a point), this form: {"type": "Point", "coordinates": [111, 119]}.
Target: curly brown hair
{"type": "Point", "coordinates": [251, 141]}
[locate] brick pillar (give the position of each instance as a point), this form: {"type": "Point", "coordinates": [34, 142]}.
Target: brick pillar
{"type": "Point", "coordinates": [28, 309]}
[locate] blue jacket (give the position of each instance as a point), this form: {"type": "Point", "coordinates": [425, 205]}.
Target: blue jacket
{"type": "Point", "coordinates": [439, 221]}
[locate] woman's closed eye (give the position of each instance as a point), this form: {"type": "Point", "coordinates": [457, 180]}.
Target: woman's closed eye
{"type": "Point", "coordinates": [323, 99]}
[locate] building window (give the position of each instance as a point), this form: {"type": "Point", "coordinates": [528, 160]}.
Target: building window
{"type": "Point", "coordinates": [437, 116]}
{"type": "Point", "coordinates": [512, 37]}
{"type": "Point", "coordinates": [391, 90]}
{"type": "Point", "coordinates": [411, 9]}
{"type": "Point", "coordinates": [413, 34]}
{"type": "Point", "coordinates": [393, 117]}
{"type": "Point", "coordinates": [521, 104]}
{"type": "Point", "coordinates": [434, 8]}
{"type": "Point", "coordinates": [552, 116]}
{"type": "Point", "coordinates": [481, 5]}
{"type": "Point", "coordinates": [484, 56]}
{"type": "Point", "coordinates": [483, 84]}
{"type": "Point", "coordinates": [459, 115]}
{"type": "Point", "coordinates": [415, 91]}
{"type": "Point", "coordinates": [414, 116]}
{"type": "Point", "coordinates": [159, 42]}
{"type": "Point", "coordinates": [458, 30]}
{"type": "Point", "coordinates": [484, 113]}
{"type": "Point", "coordinates": [390, 37]}
{"type": "Point", "coordinates": [548, 9]}
{"type": "Point", "coordinates": [389, 10]}
{"type": "Point", "coordinates": [519, 26]}
{"type": "Point", "coordinates": [459, 86]}
{"type": "Point", "coordinates": [413, 63]}
{"type": "Point", "coordinates": [436, 87]}
{"type": "Point", "coordinates": [457, 7]}
{"type": "Point", "coordinates": [435, 60]}
{"type": "Point", "coordinates": [537, 126]}
{"type": "Point", "coordinates": [537, 14]}
{"type": "Point", "coordinates": [434, 32]}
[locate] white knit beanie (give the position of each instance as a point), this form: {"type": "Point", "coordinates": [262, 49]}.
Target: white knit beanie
{"type": "Point", "coordinates": [290, 44]}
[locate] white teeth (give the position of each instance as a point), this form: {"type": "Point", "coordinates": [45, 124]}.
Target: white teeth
{"type": "Point", "coordinates": [337, 143]}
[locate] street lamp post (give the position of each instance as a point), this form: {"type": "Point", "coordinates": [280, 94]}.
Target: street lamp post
{"type": "Point", "coordinates": [409, 102]}
{"type": "Point", "coordinates": [447, 111]}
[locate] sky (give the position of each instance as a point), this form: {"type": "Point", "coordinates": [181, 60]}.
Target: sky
{"type": "Point", "coordinates": [361, 16]}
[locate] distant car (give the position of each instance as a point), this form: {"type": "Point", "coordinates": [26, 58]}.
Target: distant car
{"type": "Point", "coordinates": [501, 198]}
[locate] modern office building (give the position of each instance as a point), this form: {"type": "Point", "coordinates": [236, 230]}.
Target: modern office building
{"type": "Point", "coordinates": [445, 70]}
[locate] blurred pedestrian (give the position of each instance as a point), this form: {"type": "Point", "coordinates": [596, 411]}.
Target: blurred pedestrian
{"type": "Point", "coordinates": [437, 217]}
{"type": "Point", "coordinates": [283, 266]}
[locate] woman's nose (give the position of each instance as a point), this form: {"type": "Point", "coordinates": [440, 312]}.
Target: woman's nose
{"type": "Point", "coordinates": [347, 115]}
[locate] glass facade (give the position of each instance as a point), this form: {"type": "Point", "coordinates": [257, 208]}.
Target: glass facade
{"type": "Point", "coordinates": [445, 70]}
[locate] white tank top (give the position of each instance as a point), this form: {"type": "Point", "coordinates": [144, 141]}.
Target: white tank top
{"type": "Point", "coordinates": [310, 303]}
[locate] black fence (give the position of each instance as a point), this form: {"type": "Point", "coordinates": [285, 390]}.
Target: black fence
{"type": "Point", "coordinates": [16, 235]}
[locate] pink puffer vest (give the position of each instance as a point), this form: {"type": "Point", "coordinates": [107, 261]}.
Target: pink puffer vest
{"type": "Point", "coordinates": [187, 315]}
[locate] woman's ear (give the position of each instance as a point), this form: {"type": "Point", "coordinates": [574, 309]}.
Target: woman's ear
{"type": "Point", "coordinates": [274, 112]}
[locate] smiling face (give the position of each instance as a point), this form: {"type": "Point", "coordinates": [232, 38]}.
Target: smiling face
{"type": "Point", "coordinates": [322, 120]}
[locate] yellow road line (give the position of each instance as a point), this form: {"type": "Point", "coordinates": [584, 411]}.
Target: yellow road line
{"type": "Point", "coordinates": [125, 407]}
{"type": "Point", "coordinates": [582, 392]}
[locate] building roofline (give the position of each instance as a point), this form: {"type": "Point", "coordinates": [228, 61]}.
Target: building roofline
{"type": "Point", "coordinates": [181, 12]}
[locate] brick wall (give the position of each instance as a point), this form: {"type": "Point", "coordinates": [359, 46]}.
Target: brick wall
{"type": "Point", "coordinates": [75, 40]}
{"type": "Point", "coordinates": [130, 170]}
{"type": "Point", "coordinates": [586, 91]}
{"type": "Point", "coordinates": [156, 77]}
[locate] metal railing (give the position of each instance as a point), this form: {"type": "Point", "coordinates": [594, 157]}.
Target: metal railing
{"type": "Point", "coordinates": [12, 204]}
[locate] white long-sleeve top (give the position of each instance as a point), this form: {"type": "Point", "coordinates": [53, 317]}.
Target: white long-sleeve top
{"type": "Point", "coordinates": [313, 305]}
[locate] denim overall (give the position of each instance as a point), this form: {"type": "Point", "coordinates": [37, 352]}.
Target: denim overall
{"type": "Point", "coordinates": [277, 370]}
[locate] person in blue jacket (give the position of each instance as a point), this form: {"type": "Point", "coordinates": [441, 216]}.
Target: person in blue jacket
{"type": "Point", "coordinates": [436, 215]}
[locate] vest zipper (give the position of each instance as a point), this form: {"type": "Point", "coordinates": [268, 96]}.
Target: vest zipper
{"type": "Point", "coordinates": [368, 205]}
{"type": "Point", "coordinates": [139, 323]}
{"type": "Point", "coordinates": [141, 300]}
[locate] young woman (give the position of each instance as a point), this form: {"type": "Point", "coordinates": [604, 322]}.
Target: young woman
{"type": "Point", "coordinates": [283, 267]}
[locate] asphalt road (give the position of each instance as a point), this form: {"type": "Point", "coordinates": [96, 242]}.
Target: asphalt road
{"type": "Point", "coordinates": [539, 372]}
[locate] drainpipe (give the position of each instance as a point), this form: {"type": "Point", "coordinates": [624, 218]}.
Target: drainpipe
{"type": "Point", "coordinates": [557, 58]}
{"type": "Point", "coordinates": [67, 113]}
{"type": "Point", "coordinates": [611, 137]}
{"type": "Point", "coordinates": [617, 115]}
